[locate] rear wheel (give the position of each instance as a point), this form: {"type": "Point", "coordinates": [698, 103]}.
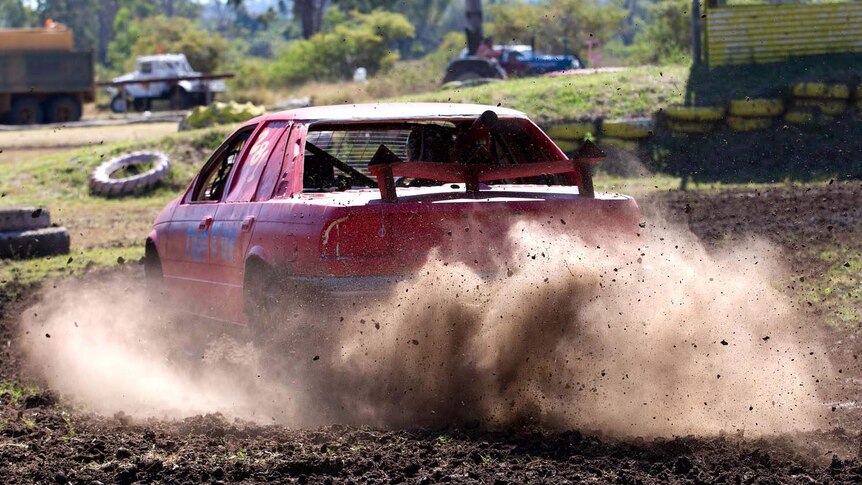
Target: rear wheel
{"type": "Point", "coordinates": [63, 109]}
{"type": "Point", "coordinates": [263, 300]}
{"type": "Point", "coordinates": [26, 111]}
{"type": "Point", "coordinates": [141, 104]}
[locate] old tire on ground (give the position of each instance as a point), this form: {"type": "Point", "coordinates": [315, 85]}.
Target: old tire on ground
{"type": "Point", "coordinates": [26, 111]}
{"type": "Point", "coordinates": [36, 242]}
{"type": "Point", "coordinates": [62, 109]}
{"type": "Point", "coordinates": [24, 218]}
{"type": "Point", "coordinates": [101, 182]}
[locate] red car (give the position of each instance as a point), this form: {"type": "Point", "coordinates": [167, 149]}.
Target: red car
{"type": "Point", "coordinates": [347, 199]}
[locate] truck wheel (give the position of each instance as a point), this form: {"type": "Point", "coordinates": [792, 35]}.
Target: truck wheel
{"type": "Point", "coordinates": [181, 99]}
{"type": "Point", "coordinates": [118, 104]}
{"type": "Point", "coordinates": [62, 109]}
{"type": "Point", "coordinates": [26, 111]}
{"type": "Point", "coordinates": [103, 183]}
{"type": "Point", "coordinates": [141, 104]}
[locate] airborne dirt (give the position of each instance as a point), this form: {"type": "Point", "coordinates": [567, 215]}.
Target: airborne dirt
{"type": "Point", "coordinates": [46, 438]}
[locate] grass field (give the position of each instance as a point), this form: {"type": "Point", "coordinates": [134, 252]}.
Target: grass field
{"type": "Point", "coordinates": [102, 229]}
{"type": "Point", "coordinates": [634, 92]}
{"type": "Point", "coordinates": [17, 145]}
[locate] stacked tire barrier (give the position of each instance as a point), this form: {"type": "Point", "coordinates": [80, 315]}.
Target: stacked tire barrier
{"type": "Point", "coordinates": [806, 104]}
{"type": "Point", "coordinates": [817, 103]}
{"type": "Point", "coordinates": [26, 232]}
{"type": "Point", "coordinates": [569, 135]}
{"type": "Point", "coordinates": [624, 134]}
{"type": "Point", "coordinates": [694, 119]}
{"type": "Point", "coordinates": [753, 114]}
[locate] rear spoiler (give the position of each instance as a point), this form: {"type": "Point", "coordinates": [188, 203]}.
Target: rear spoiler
{"type": "Point", "coordinates": [385, 166]}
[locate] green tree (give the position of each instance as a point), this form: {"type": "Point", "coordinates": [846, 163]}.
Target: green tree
{"type": "Point", "coordinates": [668, 30]}
{"type": "Point", "coordinates": [550, 23]}
{"type": "Point", "coordinates": [136, 37]}
{"type": "Point", "coordinates": [361, 40]}
{"type": "Point", "coordinates": [14, 14]}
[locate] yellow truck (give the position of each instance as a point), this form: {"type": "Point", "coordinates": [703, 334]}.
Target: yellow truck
{"type": "Point", "coordinates": [42, 78]}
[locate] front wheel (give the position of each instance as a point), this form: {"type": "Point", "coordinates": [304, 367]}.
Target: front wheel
{"type": "Point", "coordinates": [119, 104]}
{"type": "Point", "coordinates": [26, 111]}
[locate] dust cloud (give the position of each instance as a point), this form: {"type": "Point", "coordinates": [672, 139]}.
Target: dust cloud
{"type": "Point", "coordinates": [645, 336]}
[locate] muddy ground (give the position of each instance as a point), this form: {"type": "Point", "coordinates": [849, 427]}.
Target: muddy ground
{"type": "Point", "coordinates": [42, 439]}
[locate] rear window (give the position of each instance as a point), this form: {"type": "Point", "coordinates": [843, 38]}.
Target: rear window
{"type": "Point", "coordinates": [337, 157]}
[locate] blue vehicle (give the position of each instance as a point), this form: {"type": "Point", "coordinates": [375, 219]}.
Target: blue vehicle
{"type": "Point", "coordinates": [515, 60]}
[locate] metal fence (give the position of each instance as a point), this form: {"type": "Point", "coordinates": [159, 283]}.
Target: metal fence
{"type": "Point", "coordinates": [749, 34]}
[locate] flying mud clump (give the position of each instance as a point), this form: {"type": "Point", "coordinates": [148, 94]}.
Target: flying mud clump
{"type": "Point", "coordinates": [647, 337]}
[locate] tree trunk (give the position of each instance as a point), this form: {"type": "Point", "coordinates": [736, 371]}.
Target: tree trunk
{"type": "Point", "coordinates": [310, 13]}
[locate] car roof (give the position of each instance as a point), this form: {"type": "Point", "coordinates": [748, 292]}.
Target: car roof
{"type": "Point", "coordinates": [389, 112]}
{"type": "Point", "coordinates": [162, 57]}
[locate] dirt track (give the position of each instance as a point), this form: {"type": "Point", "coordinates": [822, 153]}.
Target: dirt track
{"type": "Point", "coordinates": [43, 440]}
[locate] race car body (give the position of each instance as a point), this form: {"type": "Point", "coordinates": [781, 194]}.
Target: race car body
{"type": "Point", "coordinates": [349, 199]}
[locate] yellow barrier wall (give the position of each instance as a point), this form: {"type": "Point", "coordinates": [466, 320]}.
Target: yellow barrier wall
{"type": "Point", "coordinates": [771, 33]}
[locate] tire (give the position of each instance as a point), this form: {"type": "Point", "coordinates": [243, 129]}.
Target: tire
{"type": "Point", "coordinates": [140, 104]}
{"type": "Point", "coordinates": [280, 311]}
{"type": "Point", "coordinates": [825, 106]}
{"type": "Point", "coordinates": [118, 104]}
{"type": "Point", "coordinates": [756, 108]}
{"type": "Point", "coordinates": [101, 182]}
{"type": "Point", "coordinates": [32, 243]}
{"type": "Point", "coordinates": [821, 90]}
{"type": "Point", "coordinates": [572, 131]}
{"type": "Point", "coordinates": [26, 111]}
{"type": "Point", "coordinates": [24, 218]}
{"type": "Point", "coordinates": [691, 127]}
{"type": "Point", "coordinates": [737, 123]}
{"type": "Point", "coordinates": [695, 113]}
{"type": "Point", "coordinates": [627, 129]}
{"type": "Point", "coordinates": [62, 109]}
{"type": "Point", "coordinates": [799, 117]}
{"type": "Point", "coordinates": [181, 99]}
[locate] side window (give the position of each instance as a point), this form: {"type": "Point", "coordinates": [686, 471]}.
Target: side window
{"type": "Point", "coordinates": [214, 176]}
{"type": "Point", "coordinates": [146, 68]}
{"type": "Point", "coordinates": [248, 174]}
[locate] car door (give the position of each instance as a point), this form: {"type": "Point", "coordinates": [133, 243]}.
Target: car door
{"type": "Point", "coordinates": [187, 264]}
{"type": "Point", "coordinates": [235, 218]}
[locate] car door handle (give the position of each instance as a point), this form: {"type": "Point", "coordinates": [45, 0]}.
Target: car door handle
{"type": "Point", "coordinates": [247, 223]}
{"type": "Point", "coordinates": [205, 224]}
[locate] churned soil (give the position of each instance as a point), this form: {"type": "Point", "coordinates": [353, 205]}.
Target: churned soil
{"type": "Point", "coordinates": [45, 440]}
